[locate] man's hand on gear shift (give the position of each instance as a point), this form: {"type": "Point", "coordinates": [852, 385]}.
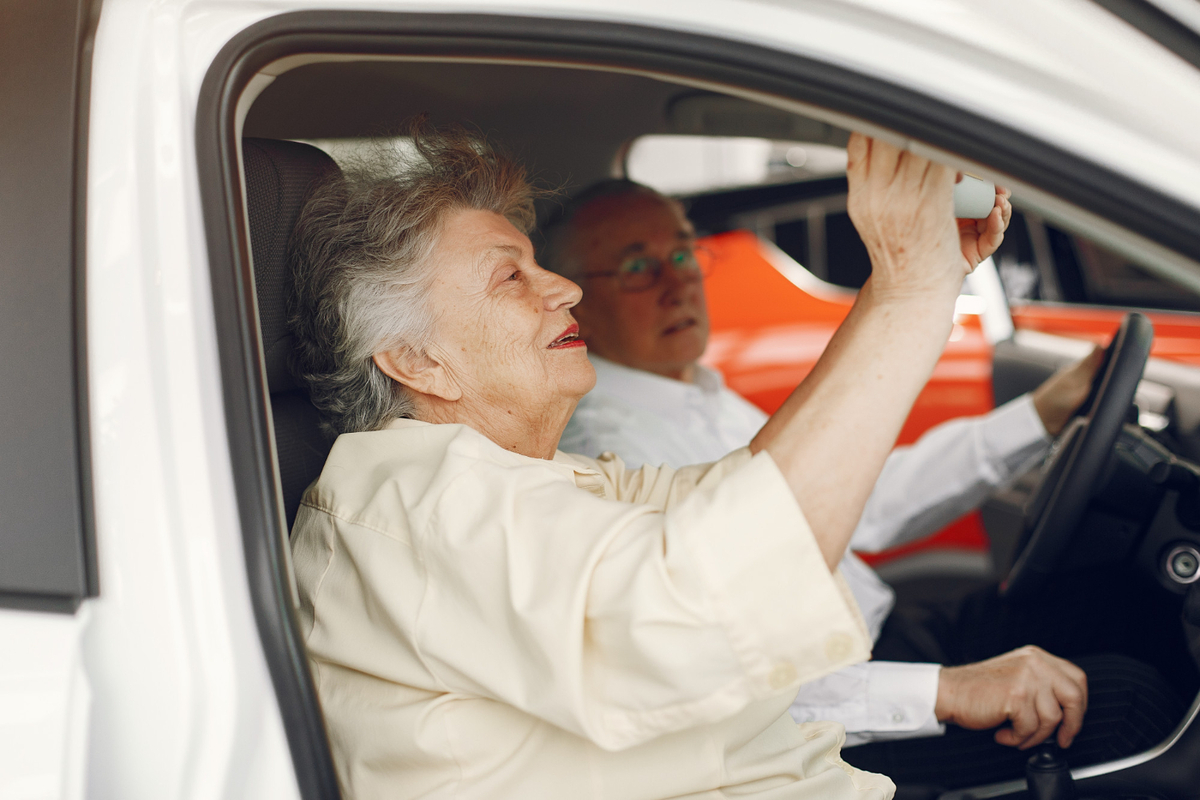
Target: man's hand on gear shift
{"type": "Point", "coordinates": [1029, 688]}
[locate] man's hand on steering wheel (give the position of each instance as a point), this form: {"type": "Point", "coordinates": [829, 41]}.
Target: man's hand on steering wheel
{"type": "Point", "coordinates": [1074, 468]}
{"type": "Point", "coordinates": [1061, 395]}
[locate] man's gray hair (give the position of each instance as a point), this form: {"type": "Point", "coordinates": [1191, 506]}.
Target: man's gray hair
{"type": "Point", "coordinates": [559, 252]}
{"type": "Point", "coordinates": [360, 256]}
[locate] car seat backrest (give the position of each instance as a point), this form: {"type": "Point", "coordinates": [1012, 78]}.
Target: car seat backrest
{"type": "Point", "coordinates": [279, 175]}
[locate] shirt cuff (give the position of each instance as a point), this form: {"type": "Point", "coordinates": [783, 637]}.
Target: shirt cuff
{"type": "Point", "coordinates": [901, 699]}
{"type": "Point", "coordinates": [1014, 426]}
{"type": "Point", "coordinates": [876, 701]}
{"type": "Point", "coordinates": [789, 619]}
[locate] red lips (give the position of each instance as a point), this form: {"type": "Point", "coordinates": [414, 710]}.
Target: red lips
{"type": "Point", "coordinates": [568, 338]}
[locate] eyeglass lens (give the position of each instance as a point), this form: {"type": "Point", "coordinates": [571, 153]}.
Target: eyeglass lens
{"type": "Point", "coordinates": [642, 272]}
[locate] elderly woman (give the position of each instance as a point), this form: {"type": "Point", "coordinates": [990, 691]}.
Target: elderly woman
{"type": "Point", "coordinates": [487, 617]}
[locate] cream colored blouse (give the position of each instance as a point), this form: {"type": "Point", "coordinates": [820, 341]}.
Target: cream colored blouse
{"type": "Point", "coordinates": [486, 625]}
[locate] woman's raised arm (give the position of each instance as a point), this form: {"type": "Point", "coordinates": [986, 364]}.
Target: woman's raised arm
{"type": "Point", "coordinates": [832, 436]}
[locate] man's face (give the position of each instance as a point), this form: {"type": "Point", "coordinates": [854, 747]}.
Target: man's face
{"type": "Point", "coordinates": [663, 329]}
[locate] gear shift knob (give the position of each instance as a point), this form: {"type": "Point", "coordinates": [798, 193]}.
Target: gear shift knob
{"type": "Point", "coordinates": [1047, 775]}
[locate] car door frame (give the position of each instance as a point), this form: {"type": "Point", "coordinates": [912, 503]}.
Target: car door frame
{"type": "Point", "coordinates": [615, 45]}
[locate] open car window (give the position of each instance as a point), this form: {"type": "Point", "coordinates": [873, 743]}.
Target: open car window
{"type": "Point", "coordinates": [338, 100]}
{"type": "Point", "coordinates": [793, 194]}
{"type": "Point", "coordinates": [1040, 261]}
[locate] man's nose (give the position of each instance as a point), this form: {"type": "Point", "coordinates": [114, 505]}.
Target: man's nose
{"type": "Point", "coordinates": [674, 285]}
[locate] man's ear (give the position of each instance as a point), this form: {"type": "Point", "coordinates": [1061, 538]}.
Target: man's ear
{"type": "Point", "coordinates": [418, 371]}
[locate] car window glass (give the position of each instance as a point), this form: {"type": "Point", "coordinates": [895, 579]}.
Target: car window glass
{"type": "Point", "coordinates": [1111, 278]}
{"type": "Point", "coordinates": [813, 228]}
{"type": "Point", "coordinates": [848, 263]}
{"type": "Point", "coordinates": [1040, 262]}
{"type": "Point", "coordinates": [1037, 261]}
{"type": "Point", "coordinates": [1017, 265]}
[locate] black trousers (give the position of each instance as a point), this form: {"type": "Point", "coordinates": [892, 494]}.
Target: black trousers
{"type": "Point", "coordinates": [1123, 632]}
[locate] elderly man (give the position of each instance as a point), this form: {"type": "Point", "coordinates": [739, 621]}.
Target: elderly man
{"type": "Point", "coordinates": [645, 321]}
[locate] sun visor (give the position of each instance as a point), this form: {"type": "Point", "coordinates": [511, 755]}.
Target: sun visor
{"type": "Point", "coordinates": [708, 114]}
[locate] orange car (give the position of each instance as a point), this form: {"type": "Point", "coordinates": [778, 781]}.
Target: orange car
{"type": "Point", "coordinates": [771, 319]}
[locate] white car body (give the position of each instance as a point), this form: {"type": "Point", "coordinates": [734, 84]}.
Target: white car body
{"type": "Point", "coordinates": [158, 688]}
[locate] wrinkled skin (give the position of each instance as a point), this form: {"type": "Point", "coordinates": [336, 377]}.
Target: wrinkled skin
{"type": "Point", "coordinates": [1029, 688]}
{"type": "Point", "coordinates": [492, 363]}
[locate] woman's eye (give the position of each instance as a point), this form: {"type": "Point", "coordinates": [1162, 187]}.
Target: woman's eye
{"type": "Point", "coordinates": [515, 276]}
{"type": "Point", "coordinates": [635, 267]}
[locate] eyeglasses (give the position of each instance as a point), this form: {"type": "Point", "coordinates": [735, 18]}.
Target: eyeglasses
{"type": "Point", "coordinates": [639, 273]}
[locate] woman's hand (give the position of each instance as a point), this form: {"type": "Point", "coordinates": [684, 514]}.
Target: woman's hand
{"type": "Point", "coordinates": [979, 238]}
{"type": "Point", "coordinates": [903, 208]}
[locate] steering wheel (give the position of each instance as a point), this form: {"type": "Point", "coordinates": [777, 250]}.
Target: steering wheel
{"type": "Point", "coordinates": [1078, 458]}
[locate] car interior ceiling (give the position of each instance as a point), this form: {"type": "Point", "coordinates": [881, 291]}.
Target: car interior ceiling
{"type": "Point", "coordinates": [558, 121]}
{"type": "Point", "coordinates": [508, 103]}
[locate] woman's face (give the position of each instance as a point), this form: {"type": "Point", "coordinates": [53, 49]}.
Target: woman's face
{"type": "Point", "coordinates": [504, 330]}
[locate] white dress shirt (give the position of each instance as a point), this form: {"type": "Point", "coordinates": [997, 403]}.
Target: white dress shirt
{"type": "Point", "coordinates": [484, 625]}
{"type": "Point", "coordinates": [951, 469]}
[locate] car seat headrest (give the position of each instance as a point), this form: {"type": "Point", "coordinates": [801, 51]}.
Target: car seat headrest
{"type": "Point", "coordinates": [279, 175]}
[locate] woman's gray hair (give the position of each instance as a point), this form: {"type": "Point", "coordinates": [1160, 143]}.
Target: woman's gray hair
{"type": "Point", "coordinates": [360, 255]}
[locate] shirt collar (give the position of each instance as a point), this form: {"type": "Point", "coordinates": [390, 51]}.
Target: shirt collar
{"type": "Point", "coordinates": [648, 390]}
{"type": "Point", "coordinates": [571, 466]}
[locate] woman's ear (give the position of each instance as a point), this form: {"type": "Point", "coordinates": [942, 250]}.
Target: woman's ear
{"type": "Point", "coordinates": [418, 372]}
